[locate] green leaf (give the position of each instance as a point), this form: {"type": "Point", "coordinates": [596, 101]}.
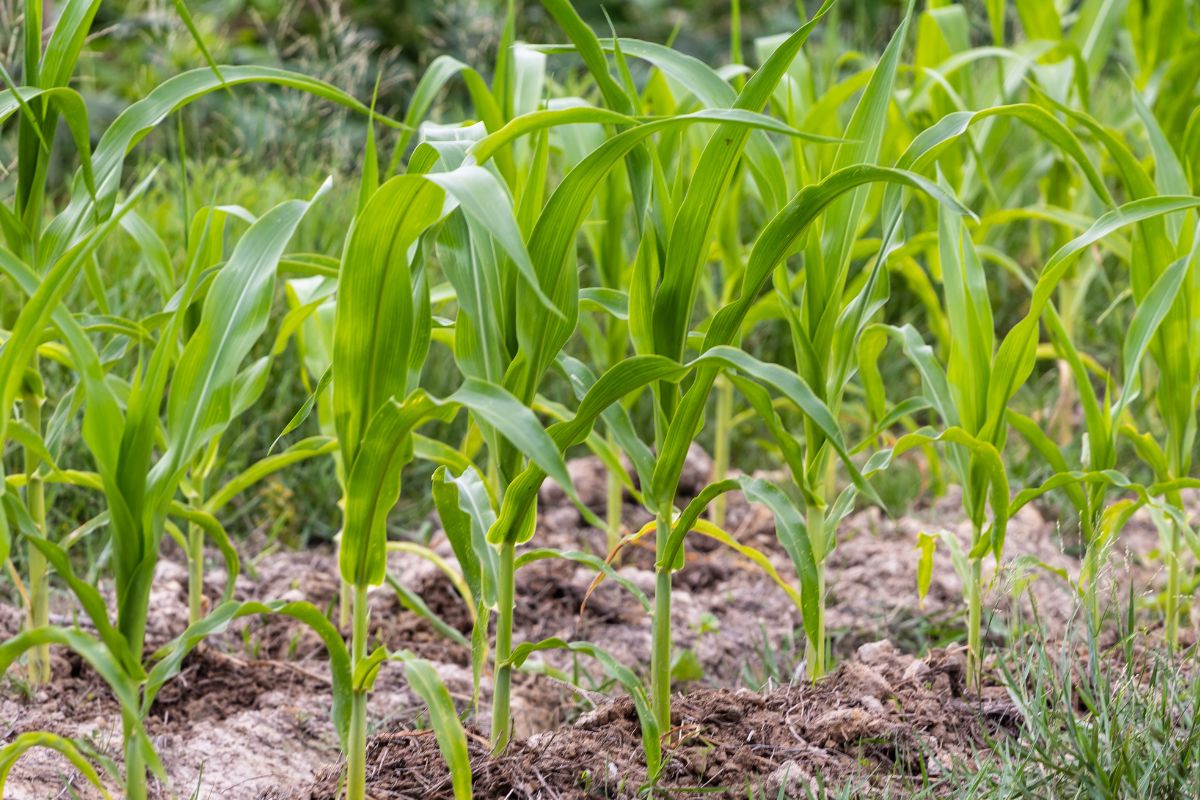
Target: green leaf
{"type": "Point", "coordinates": [465, 511]}
{"type": "Point", "coordinates": [137, 120]}
{"type": "Point", "coordinates": [436, 76]}
{"type": "Point", "coordinates": [375, 318]}
{"type": "Point", "coordinates": [25, 742]}
{"type": "Point", "coordinates": [926, 545]}
{"type": "Point", "coordinates": [451, 738]}
{"type": "Point", "coordinates": [235, 315]}
{"type": "Point", "coordinates": [170, 656]}
{"type": "Point", "coordinates": [485, 201]}
{"type": "Point", "coordinates": [70, 105]}
{"type": "Point", "coordinates": [373, 485]}
{"type": "Point", "coordinates": [1095, 31]}
{"type": "Point", "coordinates": [186, 15]}
{"type": "Point", "coordinates": [622, 675]}
{"type": "Point", "coordinates": [1147, 319]}
{"type": "Point", "coordinates": [305, 408]}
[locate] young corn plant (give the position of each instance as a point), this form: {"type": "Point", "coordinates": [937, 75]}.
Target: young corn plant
{"type": "Point", "coordinates": [975, 431]}
{"type": "Point", "coordinates": [1165, 271]}
{"type": "Point", "coordinates": [777, 241]}
{"type": "Point", "coordinates": [1162, 260]}
{"type": "Point", "coordinates": [971, 394]}
{"type": "Point", "coordinates": [203, 382]}
{"type": "Point", "coordinates": [43, 260]}
{"type": "Point", "coordinates": [826, 311]}
{"type": "Point", "coordinates": [42, 101]}
{"type": "Point", "coordinates": [540, 246]}
{"type": "Point", "coordinates": [358, 395]}
{"type": "Point", "coordinates": [493, 108]}
{"type": "Point", "coordinates": [1088, 489]}
{"type": "Point", "coordinates": [381, 334]}
{"type": "Point", "coordinates": [199, 486]}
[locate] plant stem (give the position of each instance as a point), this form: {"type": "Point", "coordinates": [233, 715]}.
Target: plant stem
{"type": "Point", "coordinates": [660, 642]}
{"type": "Point", "coordinates": [614, 510]}
{"type": "Point", "coordinates": [1091, 579]}
{"type": "Point", "coordinates": [195, 573]}
{"type": "Point", "coordinates": [356, 757]}
{"type": "Point", "coordinates": [502, 683]}
{"type": "Point", "coordinates": [135, 765]}
{"type": "Point", "coordinates": [38, 615]}
{"type": "Point", "coordinates": [724, 417]}
{"type": "Point", "coordinates": [815, 657]}
{"type": "Point", "coordinates": [1173, 588]}
{"type": "Point", "coordinates": [814, 651]}
{"type": "Point", "coordinates": [345, 596]}
{"type": "Point", "coordinates": [974, 626]}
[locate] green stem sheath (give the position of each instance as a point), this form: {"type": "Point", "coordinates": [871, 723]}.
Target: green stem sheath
{"type": "Point", "coordinates": [724, 418]}
{"type": "Point", "coordinates": [502, 683]}
{"type": "Point", "coordinates": [974, 626]}
{"type": "Point", "coordinates": [345, 597]}
{"type": "Point", "coordinates": [38, 613]}
{"type": "Point", "coordinates": [815, 657]}
{"type": "Point", "coordinates": [356, 756]}
{"type": "Point", "coordinates": [195, 573]}
{"type": "Point", "coordinates": [660, 642]}
{"type": "Point", "coordinates": [614, 510]}
{"type": "Point", "coordinates": [1172, 622]}
{"type": "Point", "coordinates": [135, 764]}
{"type": "Point", "coordinates": [1091, 580]}
{"type": "Point", "coordinates": [814, 651]}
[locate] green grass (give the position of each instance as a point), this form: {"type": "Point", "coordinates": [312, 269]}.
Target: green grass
{"type": "Point", "coordinates": [1122, 722]}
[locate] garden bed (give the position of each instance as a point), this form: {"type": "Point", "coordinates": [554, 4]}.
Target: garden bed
{"type": "Point", "coordinates": [248, 717]}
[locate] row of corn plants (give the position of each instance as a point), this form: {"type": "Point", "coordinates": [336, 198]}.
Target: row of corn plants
{"type": "Point", "coordinates": [599, 259]}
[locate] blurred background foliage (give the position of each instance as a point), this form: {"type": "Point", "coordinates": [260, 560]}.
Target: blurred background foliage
{"type": "Point", "coordinates": [136, 44]}
{"type": "Point", "coordinates": [255, 147]}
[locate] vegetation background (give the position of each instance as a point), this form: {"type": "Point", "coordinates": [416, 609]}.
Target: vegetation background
{"type": "Point", "coordinates": [261, 146]}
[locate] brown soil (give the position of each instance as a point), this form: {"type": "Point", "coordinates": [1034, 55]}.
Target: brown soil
{"type": "Point", "coordinates": [882, 720]}
{"type": "Point", "coordinates": [248, 716]}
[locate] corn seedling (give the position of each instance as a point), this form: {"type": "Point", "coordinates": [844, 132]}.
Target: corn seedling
{"type": "Point", "coordinates": [142, 495]}
{"type": "Point", "coordinates": [825, 315]}
{"type": "Point", "coordinates": [977, 422]}
{"type": "Point", "coordinates": [541, 328]}
{"type": "Point", "coordinates": [651, 369]}
{"type": "Point", "coordinates": [382, 331]}
{"type": "Point", "coordinates": [1162, 255]}
{"type": "Point", "coordinates": [207, 386]}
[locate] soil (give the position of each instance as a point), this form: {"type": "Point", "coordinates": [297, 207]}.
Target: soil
{"type": "Point", "coordinates": [881, 720]}
{"type": "Point", "coordinates": [248, 716]}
